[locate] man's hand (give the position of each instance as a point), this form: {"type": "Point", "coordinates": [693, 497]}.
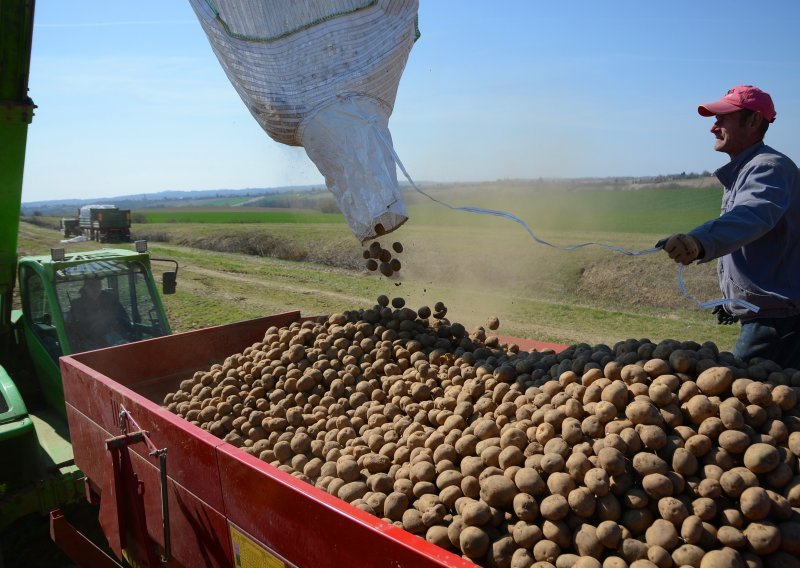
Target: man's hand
{"type": "Point", "coordinates": [683, 248]}
{"type": "Point", "coordinates": [723, 317]}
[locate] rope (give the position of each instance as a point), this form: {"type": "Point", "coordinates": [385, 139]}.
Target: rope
{"type": "Point", "coordinates": [480, 211]}
{"type": "Point", "coordinates": [212, 6]}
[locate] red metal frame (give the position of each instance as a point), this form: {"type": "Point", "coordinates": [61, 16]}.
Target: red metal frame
{"type": "Point", "coordinates": [211, 484]}
{"type": "Point", "coordinates": [75, 545]}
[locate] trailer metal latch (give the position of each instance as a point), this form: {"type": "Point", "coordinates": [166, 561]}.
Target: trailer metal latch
{"type": "Point", "coordinates": [132, 433]}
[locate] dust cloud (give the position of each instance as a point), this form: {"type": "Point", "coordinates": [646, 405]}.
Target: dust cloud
{"type": "Point", "coordinates": [479, 266]}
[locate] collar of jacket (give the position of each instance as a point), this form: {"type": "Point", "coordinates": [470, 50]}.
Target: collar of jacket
{"type": "Point", "coordinates": [727, 173]}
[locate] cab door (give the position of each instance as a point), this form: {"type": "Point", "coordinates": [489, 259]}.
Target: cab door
{"type": "Point", "coordinates": [43, 336]}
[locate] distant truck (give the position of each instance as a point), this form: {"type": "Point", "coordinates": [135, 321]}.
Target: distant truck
{"type": "Point", "coordinates": [101, 223]}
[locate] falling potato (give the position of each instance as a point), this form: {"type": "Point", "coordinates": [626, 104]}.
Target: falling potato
{"type": "Point", "coordinates": [492, 323]}
{"type": "Point", "coordinates": [386, 269]}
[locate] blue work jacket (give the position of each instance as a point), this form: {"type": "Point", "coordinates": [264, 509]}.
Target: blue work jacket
{"type": "Point", "coordinates": [757, 235]}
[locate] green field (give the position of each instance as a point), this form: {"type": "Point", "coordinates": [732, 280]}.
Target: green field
{"type": "Point", "coordinates": [478, 265]}
{"type": "Point", "coordinates": [649, 211]}
{"type": "Point", "coordinates": [236, 215]}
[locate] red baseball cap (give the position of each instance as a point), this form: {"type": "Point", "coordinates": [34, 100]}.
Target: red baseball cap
{"type": "Point", "coordinates": [737, 98]}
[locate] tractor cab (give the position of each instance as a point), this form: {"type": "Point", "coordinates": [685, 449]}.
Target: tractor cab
{"type": "Point", "coordinates": [82, 302]}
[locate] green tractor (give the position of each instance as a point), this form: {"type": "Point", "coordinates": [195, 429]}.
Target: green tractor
{"type": "Point", "coordinates": [57, 315]}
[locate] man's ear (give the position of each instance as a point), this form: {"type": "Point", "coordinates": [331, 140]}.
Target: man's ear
{"type": "Point", "coordinates": [755, 119]}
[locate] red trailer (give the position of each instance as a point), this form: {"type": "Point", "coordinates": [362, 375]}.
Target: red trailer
{"type": "Point", "coordinates": [171, 494]}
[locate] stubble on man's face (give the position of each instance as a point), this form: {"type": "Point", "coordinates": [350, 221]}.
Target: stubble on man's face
{"type": "Point", "coordinates": [731, 136]}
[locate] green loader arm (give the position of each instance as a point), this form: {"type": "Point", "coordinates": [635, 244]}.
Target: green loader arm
{"type": "Point", "coordinates": [16, 112]}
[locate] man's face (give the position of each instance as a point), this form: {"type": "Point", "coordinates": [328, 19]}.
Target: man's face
{"type": "Point", "coordinates": [732, 137]}
{"type": "Point", "coordinates": [93, 287]}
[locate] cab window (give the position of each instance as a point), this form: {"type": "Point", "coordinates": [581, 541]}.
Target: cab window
{"type": "Point", "coordinates": [39, 313]}
{"type": "Point", "coordinates": [107, 304]}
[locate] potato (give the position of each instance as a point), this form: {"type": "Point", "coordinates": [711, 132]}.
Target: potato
{"type": "Point", "coordinates": [659, 556]}
{"type": "Point", "coordinates": [558, 532]}
{"type": "Point", "coordinates": [758, 393]}
{"type": "Point", "coordinates": [763, 538]}
{"type": "Point", "coordinates": [582, 502]}
{"type": "Point", "coordinates": [614, 562]}
{"type": "Point", "coordinates": [385, 269]}
{"type": "Point", "coordinates": [586, 541]}
{"type": "Point", "coordinates": [785, 397]}
{"type": "Point", "coordinates": [734, 441]}
{"type": "Point", "coordinates": [714, 381]}
{"type": "Point", "coordinates": [597, 481]}
{"type": "Point", "coordinates": [612, 461]}
{"type": "Point", "coordinates": [608, 534]}
{"type": "Point", "coordinates": [684, 461]}
{"type": "Point", "coordinates": [731, 417]}
{"type": "Point", "coordinates": [727, 557]}
{"type": "Point", "coordinates": [688, 555]}
{"type": "Point", "coordinates": [637, 520]}
{"type": "Point", "coordinates": [699, 407]}
{"type": "Point", "coordinates": [412, 522]}
{"type": "Point", "coordinates": [761, 458]}
{"type": "Point", "coordinates": [525, 507]}
{"type": "Point", "coordinates": [501, 551]}
{"type": "Point", "coordinates": [653, 437]}
{"type": "Point", "coordinates": [657, 485]}
{"type": "Point", "coordinates": [731, 537]}
{"type": "Point", "coordinates": [546, 551]}
{"type": "Point", "coordinates": [475, 513]}
{"type": "Point", "coordinates": [662, 533]}
{"type": "Point", "coordinates": [498, 491]}
{"type": "Point", "coordinates": [554, 507]}
{"type": "Point", "coordinates": [633, 550]}
{"type": "Point", "coordinates": [643, 412]}
{"type": "Point", "coordinates": [526, 535]}
{"type": "Point", "coordinates": [529, 481]}
{"type": "Point", "coordinates": [755, 503]}
{"type": "Point", "coordinates": [395, 505]}
{"type": "Point", "coordinates": [560, 483]}
{"type": "Point", "coordinates": [473, 542]}
{"type": "Point", "coordinates": [645, 464]}
{"type": "Point", "coordinates": [672, 510]}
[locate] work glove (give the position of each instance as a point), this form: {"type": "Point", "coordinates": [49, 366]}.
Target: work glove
{"type": "Point", "coordinates": [681, 248]}
{"type": "Point", "coordinates": [723, 317]}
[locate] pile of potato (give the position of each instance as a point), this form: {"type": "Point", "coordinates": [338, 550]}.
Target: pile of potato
{"type": "Point", "coordinates": [640, 454]}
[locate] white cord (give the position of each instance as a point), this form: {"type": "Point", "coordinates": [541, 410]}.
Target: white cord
{"type": "Point", "coordinates": [505, 214]}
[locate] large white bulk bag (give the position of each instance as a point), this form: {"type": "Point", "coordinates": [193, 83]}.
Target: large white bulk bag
{"type": "Point", "coordinates": [323, 74]}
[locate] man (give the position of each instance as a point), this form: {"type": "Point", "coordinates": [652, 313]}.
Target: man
{"type": "Point", "coordinates": [97, 319]}
{"type": "Point", "coordinates": [757, 236]}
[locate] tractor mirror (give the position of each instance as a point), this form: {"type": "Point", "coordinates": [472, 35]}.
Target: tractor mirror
{"type": "Point", "coordinates": [169, 282]}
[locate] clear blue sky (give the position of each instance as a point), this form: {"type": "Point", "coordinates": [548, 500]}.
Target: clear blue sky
{"type": "Point", "coordinates": [132, 100]}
